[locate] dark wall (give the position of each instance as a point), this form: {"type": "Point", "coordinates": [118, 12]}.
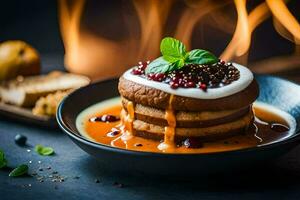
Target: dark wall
{"type": "Point", "coordinates": [34, 21]}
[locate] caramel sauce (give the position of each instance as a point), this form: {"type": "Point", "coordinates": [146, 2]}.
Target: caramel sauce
{"type": "Point", "coordinates": [258, 134]}
{"type": "Point", "coordinates": [169, 136]}
{"type": "Point", "coordinates": [128, 120]}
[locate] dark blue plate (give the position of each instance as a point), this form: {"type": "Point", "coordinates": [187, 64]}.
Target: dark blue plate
{"type": "Point", "coordinates": [274, 91]}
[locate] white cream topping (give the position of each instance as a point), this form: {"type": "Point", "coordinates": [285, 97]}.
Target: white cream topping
{"type": "Point", "coordinates": [246, 77]}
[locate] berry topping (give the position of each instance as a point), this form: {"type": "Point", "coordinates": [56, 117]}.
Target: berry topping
{"type": "Point", "coordinates": [193, 75]}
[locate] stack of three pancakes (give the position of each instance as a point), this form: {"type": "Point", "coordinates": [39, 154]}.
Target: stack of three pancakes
{"type": "Point", "coordinates": [155, 111]}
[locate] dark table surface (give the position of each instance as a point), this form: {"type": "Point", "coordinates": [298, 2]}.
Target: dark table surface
{"type": "Point", "coordinates": [277, 180]}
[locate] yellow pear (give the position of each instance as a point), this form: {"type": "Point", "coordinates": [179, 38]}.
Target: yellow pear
{"type": "Point", "coordinates": [18, 58]}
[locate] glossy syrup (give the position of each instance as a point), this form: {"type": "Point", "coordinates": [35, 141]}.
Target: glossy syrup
{"type": "Point", "coordinates": [268, 127]}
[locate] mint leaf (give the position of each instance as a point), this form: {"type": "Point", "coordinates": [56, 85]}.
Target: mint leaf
{"type": "Point", "coordinates": [19, 171]}
{"type": "Point", "coordinates": [159, 65]}
{"type": "Point", "coordinates": [202, 57]}
{"type": "Point", "coordinates": [44, 151]}
{"type": "Point", "coordinates": [174, 56]}
{"type": "Point", "coordinates": [172, 49]}
{"type": "Point", "coordinates": [179, 64]}
{"type": "Point", "coordinates": [3, 161]}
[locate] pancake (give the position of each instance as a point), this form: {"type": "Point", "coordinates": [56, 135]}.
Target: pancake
{"type": "Point", "coordinates": [184, 118]}
{"type": "Point", "coordinates": [153, 131]}
{"type": "Point", "coordinates": [156, 98]}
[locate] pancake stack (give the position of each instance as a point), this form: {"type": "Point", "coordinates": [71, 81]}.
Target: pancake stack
{"type": "Point", "coordinates": [154, 110]}
{"type": "Point", "coordinates": [186, 96]}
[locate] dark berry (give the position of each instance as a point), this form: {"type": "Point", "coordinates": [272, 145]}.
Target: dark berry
{"type": "Point", "coordinates": [20, 139]}
{"type": "Point", "coordinates": [110, 118]}
{"type": "Point", "coordinates": [143, 65]}
{"type": "Point", "coordinates": [178, 75]}
{"type": "Point", "coordinates": [175, 79]}
{"type": "Point", "coordinates": [105, 118]}
{"type": "Point", "coordinates": [159, 77]}
{"type": "Point", "coordinates": [174, 85]}
{"type": "Point", "coordinates": [181, 82]}
{"type": "Point", "coordinates": [203, 86]}
{"type": "Point", "coordinates": [151, 76]}
{"type": "Point", "coordinates": [190, 84]}
{"type": "Point", "coordinates": [113, 133]}
{"type": "Point", "coordinates": [137, 71]}
{"type": "Point", "coordinates": [192, 143]}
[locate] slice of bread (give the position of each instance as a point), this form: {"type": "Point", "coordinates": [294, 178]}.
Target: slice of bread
{"type": "Point", "coordinates": [47, 106]}
{"type": "Point", "coordinates": [25, 91]}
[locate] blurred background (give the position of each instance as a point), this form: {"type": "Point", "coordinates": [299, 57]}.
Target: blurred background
{"type": "Point", "coordinates": [103, 38]}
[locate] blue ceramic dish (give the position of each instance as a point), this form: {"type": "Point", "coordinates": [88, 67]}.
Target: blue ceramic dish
{"type": "Point", "coordinates": [274, 91]}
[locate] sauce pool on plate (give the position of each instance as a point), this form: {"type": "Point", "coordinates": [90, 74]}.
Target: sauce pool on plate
{"type": "Point", "coordinates": [100, 123]}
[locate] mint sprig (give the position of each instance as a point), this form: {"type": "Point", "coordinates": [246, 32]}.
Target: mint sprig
{"type": "Point", "coordinates": [173, 51]}
{"type": "Point", "coordinates": [44, 151]}
{"type": "Point", "coordinates": [3, 161]}
{"type": "Point", "coordinates": [160, 65]}
{"type": "Point", "coordinates": [175, 56]}
{"type": "Point", "coordinates": [202, 57]}
{"type": "Point", "coordinates": [19, 171]}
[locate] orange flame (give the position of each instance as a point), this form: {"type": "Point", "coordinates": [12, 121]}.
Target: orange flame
{"type": "Point", "coordinates": [99, 57]}
{"type": "Point", "coordinates": [83, 50]}
{"type": "Point", "coordinates": [191, 16]}
{"type": "Point", "coordinates": [283, 15]}
{"type": "Point", "coordinates": [95, 56]}
{"type": "Point", "coordinates": [288, 27]}
{"type": "Point", "coordinates": [152, 15]}
{"type": "Point", "coordinates": [70, 21]}
{"type": "Point", "coordinates": [246, 24]}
